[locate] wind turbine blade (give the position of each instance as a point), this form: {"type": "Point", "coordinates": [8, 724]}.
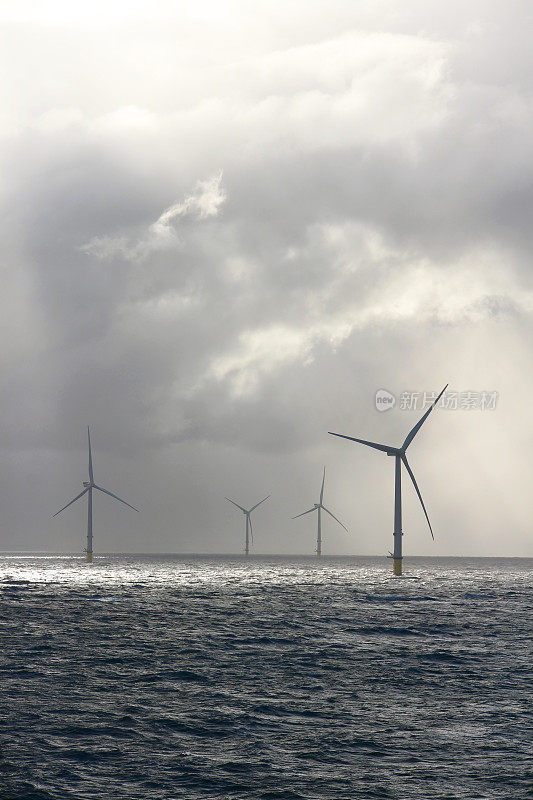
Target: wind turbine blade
{"type": "Point", "coordinates": [251, 529]}
{"type": "Point", "coordinates": [411, 435]}
{"type": "Point", "coordinates": [410, 471]}
{"type": "Point", "coordinates": [90, 456]}
{"type": "Point", "coordinates": [335, 518]}
{"type": "Point", "coordinates": [322, 489]}
{"type": "Point", "coordinates": [259, 503]}
{"type": "Point", "coordinates": [116, 497]}
{"type": "Point", "coordinates": [305, 512]}
{"type": "Point", "coordinates": [383, 447]}
{"type": "Point", "coordinates": [72, 501]}
{"type": "Point", "coordinates": [235, 504]}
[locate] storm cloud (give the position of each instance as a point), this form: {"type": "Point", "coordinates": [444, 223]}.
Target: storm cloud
{"type": "Point", "coordinates": [224, 230]}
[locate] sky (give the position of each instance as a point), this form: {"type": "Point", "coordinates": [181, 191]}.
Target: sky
{"type": "Point", "coordinates": [225, 227]}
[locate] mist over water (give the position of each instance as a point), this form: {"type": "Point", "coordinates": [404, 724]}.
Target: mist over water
{"type": "Point", "coordinates": [273, 677]}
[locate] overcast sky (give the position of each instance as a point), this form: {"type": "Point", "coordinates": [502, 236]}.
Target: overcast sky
{"type": "Point", "coordinates": [225, 226]}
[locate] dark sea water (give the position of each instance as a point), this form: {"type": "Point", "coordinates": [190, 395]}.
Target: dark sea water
{"type": "Point", "coordinates": [210, 677]}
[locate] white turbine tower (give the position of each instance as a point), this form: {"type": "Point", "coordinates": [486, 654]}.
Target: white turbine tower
{"type": "Point", "coordinates": [399, 454]}
{"type": "Point", "coordinates": [89, 486]}
{"type": "Point", "coordinates": [318, 507]}
{"type": "Point", "coordinates": [249, 529]}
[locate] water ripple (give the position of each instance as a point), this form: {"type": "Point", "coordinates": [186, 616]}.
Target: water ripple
{"type": "Point", "coordinates": [163, 677]}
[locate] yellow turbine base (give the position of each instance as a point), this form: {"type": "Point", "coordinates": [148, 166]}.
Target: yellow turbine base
{"type": "Point", "coordinates": [89, 558]}
{"type": "Point", "coordinates": [397, 566]}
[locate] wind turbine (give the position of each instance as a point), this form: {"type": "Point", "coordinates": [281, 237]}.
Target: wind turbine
{"type": "Point", "coordinates": [249, 529]}
{"type": "Point", "coordinates": [399, 454]}
{"type": "Point", "coordinates": [89, 486]}
{"type": "Point", "coordinates": [318, 507]}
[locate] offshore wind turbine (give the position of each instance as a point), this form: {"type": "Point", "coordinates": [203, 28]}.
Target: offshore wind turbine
{"type": "Point", "coordinates": [319, 507]}
{"type": "Point", "coordinates": [249, 529]}
{"type": "Point", "coordinates": [400, 457]}
{"type": "Point", "coordinates": [89, 486]}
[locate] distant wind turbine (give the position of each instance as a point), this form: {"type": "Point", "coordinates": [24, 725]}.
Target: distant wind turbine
{"type": "Point", "coordinates": [318, 507]}
{"type": "Point", "coordinates": [89, 486]}
{"type": "Point", "coordinates": [249, 529]}
{"type": "Point", "coordinates": [399, 454]}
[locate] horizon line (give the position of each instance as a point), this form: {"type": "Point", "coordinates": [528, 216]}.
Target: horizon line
{"type": "Point", "coordinates": [251, 555]}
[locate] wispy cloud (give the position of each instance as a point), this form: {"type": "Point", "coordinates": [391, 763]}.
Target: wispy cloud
{"type": "Point", "coordinates": [203, 202]}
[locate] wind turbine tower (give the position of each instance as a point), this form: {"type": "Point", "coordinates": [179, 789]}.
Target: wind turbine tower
{"type": "Point", "coordinates": [319, 507]}
{"type": "Point", "coordinates": [400, 458]}
{"type": "Point", "coordinates": [88, 490]}
{"type": "Point", "coordinates": [249, 529]}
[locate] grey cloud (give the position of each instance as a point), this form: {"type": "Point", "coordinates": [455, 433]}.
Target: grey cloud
{"type": "Point", "coordinates": [371, 220]}
{"type": "Point", "coordinates": [204, 202]}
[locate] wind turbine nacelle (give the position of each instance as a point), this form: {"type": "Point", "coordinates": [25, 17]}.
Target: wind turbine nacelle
{"type": "Point", "coordinates": [86, 483]}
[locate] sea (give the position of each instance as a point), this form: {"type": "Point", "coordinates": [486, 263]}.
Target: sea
{"type": "Point", "coordinates": [158, 677]}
